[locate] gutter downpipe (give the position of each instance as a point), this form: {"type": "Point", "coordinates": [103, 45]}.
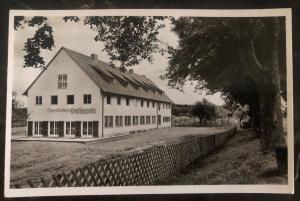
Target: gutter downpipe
{"type": "Point", "coordinates": [171, 115]}
{"type": "Point", "coordinates": [103, 116]}
{"type": "Point", "coordinates": [157, 115]}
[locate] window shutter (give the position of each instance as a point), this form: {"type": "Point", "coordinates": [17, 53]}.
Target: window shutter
{"type": "Point", "coordinates": [44, 128]}
{"type": "Point", "coordinates": [78, 129]}
{"type": "Point", "coordinates": [60, 128]}
{"type": "Point", "coordinates": [95, 128]}
{"type": "Point", "coordinates": [29, 132]}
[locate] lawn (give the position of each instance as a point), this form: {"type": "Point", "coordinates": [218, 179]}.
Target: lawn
{"type": "Point", "coordinates": [240, 161]}
{"type": "Point", "coordinates": [33, 159]}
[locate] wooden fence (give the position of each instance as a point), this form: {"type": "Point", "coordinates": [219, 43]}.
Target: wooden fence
{"type": "Point", "coordinates": [145, 167]}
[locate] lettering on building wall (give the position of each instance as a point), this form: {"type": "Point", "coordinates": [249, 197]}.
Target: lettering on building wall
{"type": "Point", "coordinates": [74, 110]}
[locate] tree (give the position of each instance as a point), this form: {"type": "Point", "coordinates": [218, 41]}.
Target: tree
{"type": "Point", "coordinates": [127, 39]}
{"type": "Point", "coordinates": [241, 112]}
{"type": "Point", "coordinates": [241, 58]}
{"type": "Point", "coordinates": [18, 110]}
{"type": "Point", "coordinates": [181, 110]}
{"type": "Point", "coordinates": [204, 110]}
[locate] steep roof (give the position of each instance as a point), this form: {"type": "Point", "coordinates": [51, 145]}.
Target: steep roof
{"type": "Point", "coordinates": [112, 81]}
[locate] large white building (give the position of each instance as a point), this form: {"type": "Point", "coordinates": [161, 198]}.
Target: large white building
{"type": "Point", "coordinates": [80, 96]}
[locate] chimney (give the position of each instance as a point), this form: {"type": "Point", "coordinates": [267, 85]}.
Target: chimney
{"type": "Point", "coordinates": [131, 70]}
{"type": "Point", "coordinates": [94, 57]}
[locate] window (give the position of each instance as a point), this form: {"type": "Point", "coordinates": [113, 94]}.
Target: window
{"type": "Point", "coordinates": [153, 104]}
{"type": "Point", "coordinates": [87, 128]}
{"type": "Point", "coordinates": [135, 120]}
{"type": "Point", "coordinates": [119, 100]}
{"type": "Point", "coordinates": [166, 119]}
{"type": "Point", "coordinates": [62, 81]}
{"type": "Point", "coordinates": [70, 99]}
{"type": "Point", "coordinates": [37, 129]}
{"type": "Point", "coordinates": [148, 120]}
{"type": "Point", "coordinates": [127, 120]}
{"type": "Point", "coordinates": [153, 119]}
{"type": "Point", "coordinates": [108, 121]}
{"type": "Point", "coordinates": [108, 100]}
{"type": "Point", "coordinates": [148, 103]}
{"type": "Point", "coordinates": [70, 128]}
{"type": "Point", "coordinates": [158, 106]}
{"type": "Point", "coordinates": [127, 101]}
{"type": "Point", "coordinates": [142, 120]}
{"type": "Point", "coordinates": [53, 128]}
{"type": "Point", "coordinates": [38, 100]}
{"type": "Point", "coordinates": [142, 103]}
{"type": "Point", "coordinates": [87, 98]}
{"type": "Point", "coordinates": [54, 100]}
{"type": "Point", "coordinates": [163, 106]}
{"type": "Point", "coordinates": [119, 121]}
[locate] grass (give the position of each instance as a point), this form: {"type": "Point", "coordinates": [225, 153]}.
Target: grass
{"type": "Point", "coordinates": [240, 161]}
{"type": "Point", "coordinates": [184, 121]}
{"type": "Point", "coordinates": [35, 159]}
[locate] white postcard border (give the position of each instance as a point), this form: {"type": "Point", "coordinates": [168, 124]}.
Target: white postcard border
{"type": "Point", "coordinates": [174, 189]}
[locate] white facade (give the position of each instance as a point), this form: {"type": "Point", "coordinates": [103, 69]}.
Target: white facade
{"type": "Point", "coordinates": [57, 118]}
{"type": "Point", "coordinates": [135, 108]}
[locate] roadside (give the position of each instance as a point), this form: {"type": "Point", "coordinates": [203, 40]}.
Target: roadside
{"type": "Point", "coordinates": [239, 161]}
{"type": "Point", "coordinates": [35, 159]}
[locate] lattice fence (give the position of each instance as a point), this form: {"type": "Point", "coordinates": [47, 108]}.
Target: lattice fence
{"type": "Point", "coordinates": [139, 168]}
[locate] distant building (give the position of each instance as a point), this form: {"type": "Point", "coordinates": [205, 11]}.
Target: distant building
{"type": "Point", "coordinates": [81, 96]}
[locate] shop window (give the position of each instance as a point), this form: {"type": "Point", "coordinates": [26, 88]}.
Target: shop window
{"type": "Point", "coordinates": [135, 120]}
{"type": "Point", "coordinates": [142, 120]}
{"type": "Point", "coordinates": [108, 121]}
{"type": "Point", "coordinates": [127, 120]}
{"type": "Point", "coordinates": [119, 121]}
{"type": "Point", "coordinates": [53, 128]}
{"type": "Point", "coordinates": [87, 128]}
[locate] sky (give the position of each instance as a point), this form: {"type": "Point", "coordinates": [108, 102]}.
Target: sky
{"type": "Point", "coordinates": [80, 38]}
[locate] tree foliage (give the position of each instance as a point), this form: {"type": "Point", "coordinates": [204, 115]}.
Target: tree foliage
{"type": "Point", "coordinates": [19, 112]}
{"type": "Point", "coordinates": [181, 110]}
{"type": "Point", "coordinates": [127, 39]}
{"type": "Point", "coordinates": [204, 110]}
{"type": "Point", "coordinates": [243, 58]}
{"type": "Point", "coordinates": [42, 39]}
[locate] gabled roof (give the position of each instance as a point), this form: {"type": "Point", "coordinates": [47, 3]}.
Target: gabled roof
{"type": "Point", "coordinates": [112, 81]}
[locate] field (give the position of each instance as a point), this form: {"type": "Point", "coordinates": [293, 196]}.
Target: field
{"type": "Point", "coordinates": [240, 161]}
{"type": "Point", "coordinates": [33, 159]}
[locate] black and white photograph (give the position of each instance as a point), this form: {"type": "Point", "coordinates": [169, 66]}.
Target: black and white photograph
{"type": "Point", "coordinates": [149, 101]}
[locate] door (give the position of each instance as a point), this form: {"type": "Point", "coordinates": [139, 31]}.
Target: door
{"type": "Point", "coordinates": [29, 130]}
{"type": "Point", "coordinates": [159, 119]}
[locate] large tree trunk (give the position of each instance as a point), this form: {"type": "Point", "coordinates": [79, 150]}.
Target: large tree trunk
{"type": "Point", "coordinates": [270, 101]}
{"type": "Point", "coordinates": [271, 126]}
{"type": "Point", "coordinates": [267, 80]}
